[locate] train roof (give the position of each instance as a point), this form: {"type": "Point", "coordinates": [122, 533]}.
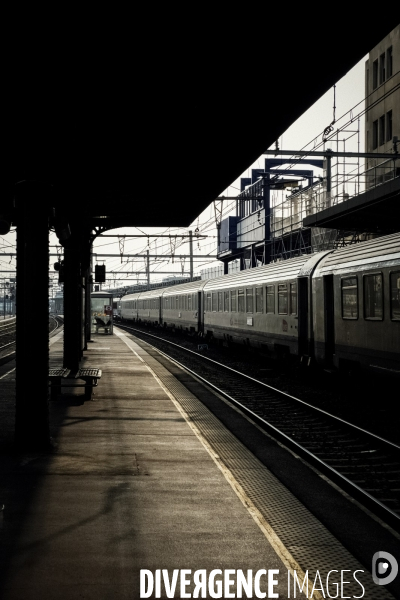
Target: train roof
{"type": "Point", "coordinates": [279, 271]}
{"type": "Point", "coordinates": [189, 287]}
{"type": "Point", "coordinates": [379, 251]}
{"type": "Point", "coordinates": [375, 253]}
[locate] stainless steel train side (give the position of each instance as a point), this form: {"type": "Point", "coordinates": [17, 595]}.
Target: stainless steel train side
{"type": "Point", "coordinates": [260, 307]}
{"type": "Point", "coordinates": [341, 307]}
{"type": "Point", "coordinates": [356, 298]}
{"type": "Point", "coordinates": [182, 306]}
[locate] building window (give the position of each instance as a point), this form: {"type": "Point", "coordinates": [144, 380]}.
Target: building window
{"type": "Point", "coordinates": [395, 296]}
{"type": "Point", "coordinates": [373, 297]}
{"type": "Point", "coordinates": [381, 130]}
{"type": "Point", "coordinates": [389, 126]}
{"type": "Point", "coordinates": [233, 301]}
{"type": "Point", "coordinates": [270, 298]}
{"type": "Point", "coordinates": [349, 298]}
{"type": "Point", "coordinates": [382, 68]}
{"type": "Point", "coordinates": [214, 302]}
{"type": "Point", "coordinates": [375, 74]}
{"type": "Point", "coordinates": [259, 300]}
{"type": "Point", "coordinates": [220, 302]}
{"type": "Point", "coordinates": [375, 135]}
{"type": "Point", "coordinates": [208, 302]}
{"type": "Point", "coordinates": [241, 307]}
{"type": "Point", "coordinates": [293, 298]}
{"type": "Point", "coordinates": [226, 301]}
{"type": "Point", "coordinates": [282, 299]}
{"type": "Point", "coordinates": [389, 62]}
{"type": "Point", "coordinates": [249, 300]}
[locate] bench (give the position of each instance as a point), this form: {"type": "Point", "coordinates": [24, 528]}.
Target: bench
{"type": "Point", "coordinates": [89, 375]}
{"type": "Point", "coordinates": [100, 324]}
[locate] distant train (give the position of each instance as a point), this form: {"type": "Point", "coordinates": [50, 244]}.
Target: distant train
{"type": "Point", "coordinates": [340, 308]}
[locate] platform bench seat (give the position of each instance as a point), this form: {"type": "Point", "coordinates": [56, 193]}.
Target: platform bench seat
{"type": "Point", "coordinates": [88, 374]}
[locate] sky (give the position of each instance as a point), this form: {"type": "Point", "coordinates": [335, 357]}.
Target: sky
{"type": "Point", "coordinates": [305, 133]}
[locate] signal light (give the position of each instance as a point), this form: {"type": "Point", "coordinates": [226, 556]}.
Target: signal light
{"type": "Point", "coordinates": [100, 273]}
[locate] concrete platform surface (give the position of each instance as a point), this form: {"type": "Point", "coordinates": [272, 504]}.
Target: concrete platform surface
{"type": "Point", "coordinates": [143, 477]}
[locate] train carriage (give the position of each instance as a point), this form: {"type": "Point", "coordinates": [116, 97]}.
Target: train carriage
{"type": "Point", "coordinates": [356, 294]}
{"type": "Point", "coordinates": [260, 306]}
{"type": "Point", "coordinates": [340, 307]}
{"type": "Point", "coordinates": [128, 307]}
{"type": "Point", "coordinates": [182, 306]}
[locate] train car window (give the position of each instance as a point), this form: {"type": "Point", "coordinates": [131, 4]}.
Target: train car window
{"type": "Point", "coordinates": [293, 298]}
{"type": "Point", "coordinates": [282, 299]}
{"type": "Point", "coordinates": [233, 301]}
{"type": "Point", "coordinates": [189, 302]}
{"type": "Point", "coordinates": [241, 306]}
{"type": "Point", "coordinates": [395, 296]}
{"type": "Point", "coordinates": [185, 303]}
{"type": "Point", "coordinates": [208, 302]}
{"type": "Point", "coordinates": [220, 302]}
{"type": "Point", "coordinates": [270, 298]}
{"type": "Point", "coordinates": [349, 298]}
{"type": "Point", "coordinates": [259, 300]}
{"type": "Point", "coordinates": [226, 301]}
{"type": "Point", "coordinates": [373, 297]}
{"type": "Point", "coordinates": [214, 301]}
{"type": "Point", "coordinates": [195, 302]}
{"type": "Point", "coordinates": [249, 300]}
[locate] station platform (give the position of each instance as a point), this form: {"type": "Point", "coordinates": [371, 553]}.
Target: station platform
{"type": "Point", "coordinates": [144, 478]}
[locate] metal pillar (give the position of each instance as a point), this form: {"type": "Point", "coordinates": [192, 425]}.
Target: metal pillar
{"type": "Point", "coordinates": [148, 269]}
{"type": "Point", "coordinates": [32, 301]}
{"type": "Point", "coordinates": [191, 254]}
{"type": "Point", "coordinates": [87, 290]}
{"type": "Point", "coordinates": [73, 316]}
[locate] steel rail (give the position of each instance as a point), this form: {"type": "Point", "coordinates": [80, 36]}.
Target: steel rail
{"type": "Point", "coordinates": [369, 501]}
{"type": "Point", "coordinates": [279, 392]}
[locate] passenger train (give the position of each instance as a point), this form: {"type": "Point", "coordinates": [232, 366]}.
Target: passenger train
{"type": "Point", "coordinates": [339, 308]}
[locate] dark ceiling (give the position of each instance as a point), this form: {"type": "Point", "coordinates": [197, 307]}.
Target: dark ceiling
{"type": "Point", "coordinates": [148, 126]}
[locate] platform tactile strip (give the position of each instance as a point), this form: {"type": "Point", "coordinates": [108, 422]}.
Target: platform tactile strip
{"type": "Point", "coordinates": [312, 546]}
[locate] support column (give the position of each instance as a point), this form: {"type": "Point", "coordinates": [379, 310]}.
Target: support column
{"type": "Point", "coordinates": [191, 254]}
{"type": "Point", "coordinates": [87, 290]}
{"type": "Point", "coordinates": [72, 309]}
{"type": "Point", "coordinates": [148, 269]}
{"type": "Point", "coordinates": [268, 241]}
{"type": "Point", "coordinates": [32, 311]}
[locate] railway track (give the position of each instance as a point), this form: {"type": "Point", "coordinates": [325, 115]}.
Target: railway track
{"type": "Point", "coordinates": [365, 465]}
{"type": "Point", "coordinates": [7, 339]}
{"type": "Point", "coordinates": [8, 336]}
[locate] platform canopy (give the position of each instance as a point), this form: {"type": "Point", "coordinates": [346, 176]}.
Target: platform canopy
{"type": "Point", "coordinates": [147, 124]}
